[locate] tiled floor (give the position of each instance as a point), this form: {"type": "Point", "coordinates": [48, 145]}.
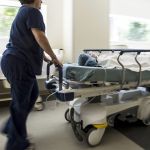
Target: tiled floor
{"type": "Point", "coordinates": [50, 131]}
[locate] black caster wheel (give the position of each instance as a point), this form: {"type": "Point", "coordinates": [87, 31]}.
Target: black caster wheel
{"type": "Point", "coordinates": [67, 115]}
{"type": "Point", "coordinates": [77, 134]}
{"type": "Point", "coordinates": [146, 122]}
{"type": "Point", "coordinates": [75, 126]}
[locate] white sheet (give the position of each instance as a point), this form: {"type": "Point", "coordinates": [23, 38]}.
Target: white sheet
{"type": "Point", "coordinates": [109, 60]}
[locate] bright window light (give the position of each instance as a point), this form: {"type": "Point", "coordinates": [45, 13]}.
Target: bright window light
{"type": "Point", "coordinates": [126, 30]}
{"type": "Point", "coordinates": [8, 11]}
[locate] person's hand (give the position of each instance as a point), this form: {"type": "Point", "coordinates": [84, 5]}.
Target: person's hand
{"type": "Point", "coordinates": [57, 62]}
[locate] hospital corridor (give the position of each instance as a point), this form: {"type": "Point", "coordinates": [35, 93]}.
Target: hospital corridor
{"type": "Point", "coordinates": [49, 130]}
{"type": "Point", "coordinates": [74, 75]}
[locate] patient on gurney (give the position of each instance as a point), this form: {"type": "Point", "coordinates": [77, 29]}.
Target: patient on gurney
{"type": "Point", "coordinates": [109, 60]}
{"type": "Point", "coordinates": [105, 68]}
{"type": "Point", "coordinates": [87, 60]}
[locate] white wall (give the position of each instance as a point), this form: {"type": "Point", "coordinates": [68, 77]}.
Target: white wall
{"type": "Point", "coordinates": [54, 22]}
{"type": "Point", "coordinates": [77, 24]}
{"type": "Point", "coordinates": [135, 8]}
{"type": "Point", "coordinates": [91, 25]}
{"type": "Point", "coordinates": [88, 27]}
{"type": "Point", "coordinates": [67, 37]}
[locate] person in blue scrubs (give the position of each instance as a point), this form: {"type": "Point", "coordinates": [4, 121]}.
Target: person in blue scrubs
{"type": "Point", "coordinates": [21, 62]}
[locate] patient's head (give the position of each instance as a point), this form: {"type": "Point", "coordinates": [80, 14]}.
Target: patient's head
{"type": "Point", "coordinates": [86, 60]}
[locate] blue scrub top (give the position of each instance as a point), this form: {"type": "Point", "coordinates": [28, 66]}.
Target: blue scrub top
{"type": "Point", "coordinates": [22, 43]}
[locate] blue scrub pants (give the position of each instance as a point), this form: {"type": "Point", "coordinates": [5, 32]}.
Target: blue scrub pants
{"type": "Point", "coordinates": [24, 92]}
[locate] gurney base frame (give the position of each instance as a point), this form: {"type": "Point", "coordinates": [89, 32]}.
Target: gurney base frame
{"type": "Point", "coordinates": [89, 121]}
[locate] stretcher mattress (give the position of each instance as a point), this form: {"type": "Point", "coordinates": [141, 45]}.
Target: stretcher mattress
{"type": "Point", "coordinates": [90, 74]}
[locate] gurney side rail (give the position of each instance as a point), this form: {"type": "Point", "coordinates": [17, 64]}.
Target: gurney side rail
{"type": "Point", "coordinates": [95, 91]}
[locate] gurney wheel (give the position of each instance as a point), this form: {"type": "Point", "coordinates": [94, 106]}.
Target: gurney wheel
{"type": "Point", "coordinates": [93, 136]}
{"type": "Point", "coordinates": [67, 115]}
{"type": "Point", "coordinates": [75, 126]}
{"type": "Point", "coordinates": [146, 122]}
{"type": "Point", "coordinates": [111, 120]}
{"type": "Point", "coordinates": [39, 106]}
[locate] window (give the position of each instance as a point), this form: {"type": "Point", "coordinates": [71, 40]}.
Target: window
{"type": "Point", "coordinates": [7, 14]}
{"type": "Point", "coordinates": [8, 10]}
{"type": "Point", "coordinates": [129, 31]}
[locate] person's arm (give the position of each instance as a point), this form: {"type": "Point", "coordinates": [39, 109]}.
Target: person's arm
{"type": "Point", "coordinates": [46, 57]}
{"type": "Point", "coordinates": [44, 44]}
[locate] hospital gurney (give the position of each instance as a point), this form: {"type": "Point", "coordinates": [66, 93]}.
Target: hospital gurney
{"type": "Point", "coordinates": [101, 95]}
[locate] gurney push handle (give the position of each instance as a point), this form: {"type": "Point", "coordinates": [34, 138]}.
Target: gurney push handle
{"type": "Point", "coordinates": [51, 82]}
{"type": "Point", "coordinates": [55, 84]}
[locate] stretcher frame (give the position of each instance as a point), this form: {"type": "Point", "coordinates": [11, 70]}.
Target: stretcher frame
{"type": "Point", "coordinates": [68, 94]}
{"type": "Point", "coordinates": [82, 122]}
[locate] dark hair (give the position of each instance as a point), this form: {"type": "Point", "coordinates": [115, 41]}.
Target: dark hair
{"type": "Point", "coordinates": [26, 1]}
